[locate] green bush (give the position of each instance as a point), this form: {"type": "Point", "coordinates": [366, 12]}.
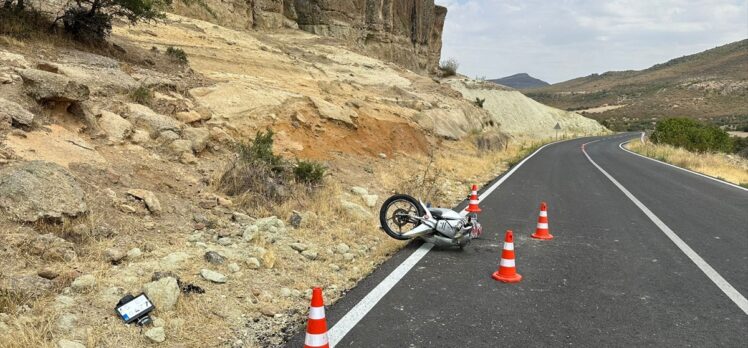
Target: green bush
{"type": "Point", "coordinates": [260, 150]}
{"type": "Point", "coordinates": [692, 135]}
{"type": "Point", "coordinates": [449, 67]}
{"type": "Point", "coordinates": [309, 172]}
{"type": "Point", "coordinates": [91, 20]}
{"type": "Point", "coordinates": [141, 95]}
{"type": "Point", "coordinates": [177, 54]}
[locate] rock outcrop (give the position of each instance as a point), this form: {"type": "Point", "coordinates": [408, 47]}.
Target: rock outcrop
{"type": "Point", "coordinates": [406, 32]}
{"type": "Point", "coordinates": [40, 190]}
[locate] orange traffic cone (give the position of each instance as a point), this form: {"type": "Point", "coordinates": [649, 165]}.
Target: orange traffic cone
{"type": "Point", "coordinates": [473, 206]}
{"type": "Point", "coordinates": [541, 232]}
{"type": "Point", "coordinates": [507, 272]}
{"type": "Point", "coordinates": [316, 325]}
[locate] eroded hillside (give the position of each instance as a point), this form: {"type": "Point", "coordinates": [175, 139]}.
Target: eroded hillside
{"type": "Point", "coordinates": [111, 163]}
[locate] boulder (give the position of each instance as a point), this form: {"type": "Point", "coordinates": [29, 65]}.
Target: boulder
{"type": "Point", "coordinates": [163, 292]}
{"type": "Point", "coordinates": [198, 137]}
{"type": "Point", "coordinates": [46, 86]}
{"type": "Point", "coordinates": [354, 210]}
{"type": "Point", "coordinates": [12, 112]}
{"type": "Point", "coordinates": [334, 112]}
{"type": "Point", "coordinates": [370, 200]}
{"type": "Point", "coordinates": [143, 116]}
{"type": "Point", "coordinates": [115, 126]}
{"type": "Point", "coordinates": [26, 286]}
{"type": "Point", "coordinates": [40, 190]}
{"type": "Point", "coordinates": [148, 197]}
{"type": "Point", "coordinates": [359, 190]}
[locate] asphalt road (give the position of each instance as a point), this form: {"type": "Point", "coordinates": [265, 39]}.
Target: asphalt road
{"type": "Point", "coordinates": [611, 277]}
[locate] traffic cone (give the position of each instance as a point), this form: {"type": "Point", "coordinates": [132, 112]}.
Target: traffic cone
{"type": "Point", "coordinates": [507, 272]}
{"type": "Point", "coordinates": [541, 232]}
{"type": "Point", "coordinates": [316, 325]}
{"type": "Point", "coordinates": [473, 206]}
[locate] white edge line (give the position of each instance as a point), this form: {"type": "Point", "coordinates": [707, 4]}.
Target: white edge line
{"type": "Point", "coordinates": [710, 272]}
{"type": "Point", "coordinates": [355, 314]}
{"type": "Point", "coordinates": [681, 168]}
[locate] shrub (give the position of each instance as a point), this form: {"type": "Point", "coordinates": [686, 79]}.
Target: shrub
{"type": "Point", "coordinates": [692, 135]}
{"type": "Point", "coordinates": [479, 102]}
{"type": "Point", "coordinates": [309, 172]}
{"type": "Point", "coordinates": [260, 150]}
{"type": "Point", "coordinates": [449, 67]}
{"type": "Point", "coordinates": [177, 54]}
{"type": "Point", "coordinates": [91, 20]}
{"type": "Point", "coordinates": [141, 95]}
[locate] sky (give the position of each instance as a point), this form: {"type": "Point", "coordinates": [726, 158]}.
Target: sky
{"type": "Point", "coordinates": [557, 40]}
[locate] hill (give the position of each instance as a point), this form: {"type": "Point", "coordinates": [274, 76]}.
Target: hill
{"type": "Point", "coordinates": [711, 85]}
{"type": "Point", "coordinates": [520, 81]}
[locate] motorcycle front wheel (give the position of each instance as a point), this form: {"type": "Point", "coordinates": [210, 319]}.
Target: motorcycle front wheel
{"type": "Point", "coordinates": [398, 215]}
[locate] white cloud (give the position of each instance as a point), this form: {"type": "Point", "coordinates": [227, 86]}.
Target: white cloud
{"type": "Point", "coordinates": [557, 40]}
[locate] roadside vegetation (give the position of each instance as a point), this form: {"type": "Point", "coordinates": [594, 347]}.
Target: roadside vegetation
{"type": "Point", "coordinates": [699, 147]}
{"type": "Point", "coordinates": [727, 167]}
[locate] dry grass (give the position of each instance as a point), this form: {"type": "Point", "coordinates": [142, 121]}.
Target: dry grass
{"type": "Point", "coordinates": [730, 168]}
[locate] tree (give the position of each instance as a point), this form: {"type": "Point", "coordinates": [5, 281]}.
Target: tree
{"type": "Point", "coordinates": [91, 20]}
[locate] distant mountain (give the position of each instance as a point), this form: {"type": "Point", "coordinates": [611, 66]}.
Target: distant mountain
{"type": "Point", "coordinates": [520, 81]}
{"type": "Point", "coordinates": [711, 85]}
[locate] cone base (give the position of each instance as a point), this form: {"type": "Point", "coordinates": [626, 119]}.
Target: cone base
{"type": "Point", "coordinates": [544, 236]}
{"type": "Point", "coordinates": [506, 279]}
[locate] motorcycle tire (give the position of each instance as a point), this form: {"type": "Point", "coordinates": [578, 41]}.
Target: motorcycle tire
{"type": "Point", "coordinates": [385, 207]}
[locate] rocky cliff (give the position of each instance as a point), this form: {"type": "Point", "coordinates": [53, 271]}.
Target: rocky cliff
{"type": "Point", "coordinates": [406, 32]}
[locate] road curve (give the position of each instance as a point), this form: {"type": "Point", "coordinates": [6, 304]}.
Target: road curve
{"type": "Point", "coordinates": [611, 277]}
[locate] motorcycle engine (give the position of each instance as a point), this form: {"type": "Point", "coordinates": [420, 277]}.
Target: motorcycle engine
{"type": "Point", "coordinates": [449, 227]}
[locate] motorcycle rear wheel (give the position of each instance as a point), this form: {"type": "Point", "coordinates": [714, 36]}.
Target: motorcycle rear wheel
{"type": "Point", "coordinates": [396, 215]}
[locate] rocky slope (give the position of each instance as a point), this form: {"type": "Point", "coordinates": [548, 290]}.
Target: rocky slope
{"type": "Point", "coordinates": [110, 163]}
{"type": "Point", "coordinates": [521, 116]}
{"type": "Point", "coordinates": [407, 32]}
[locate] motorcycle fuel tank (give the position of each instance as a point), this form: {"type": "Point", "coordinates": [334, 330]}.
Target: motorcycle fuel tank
{"type": "Point", "coordinates": [445, 214]}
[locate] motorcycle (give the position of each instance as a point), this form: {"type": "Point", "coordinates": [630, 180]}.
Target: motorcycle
{"type": "Point", "coordinates": [403, 217]}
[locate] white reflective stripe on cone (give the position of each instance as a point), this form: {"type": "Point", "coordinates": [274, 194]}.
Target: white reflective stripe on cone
{"type": "Point", "coordinates": [316, 312]}
{"type": "Point", "coordinates": [316, 340]}
{"type": "Point", "coordinates": [506, 263]}
{"type": "Point", "coordinates": [542, 226]}
{"type": "Point", "coordinates": [508, 246]}
{"type": "Point", "coordinates": [543, 213]}
{"type": "Point", "coordinates": [473, 201]}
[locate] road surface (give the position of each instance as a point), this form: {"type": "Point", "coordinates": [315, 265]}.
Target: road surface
{"type": "Point", "coordinates": [612, 276]}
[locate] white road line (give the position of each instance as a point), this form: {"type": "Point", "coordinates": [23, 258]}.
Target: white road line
{"type": "Point", "coordinates": [681, 168]}
{"type": "Point", "coordinates": [710, 272]}
{"type": "Point", "coordinates": [347, 322]}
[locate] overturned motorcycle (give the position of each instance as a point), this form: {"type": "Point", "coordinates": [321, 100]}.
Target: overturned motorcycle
{"type": "Point", "coordinates": [403, 217]}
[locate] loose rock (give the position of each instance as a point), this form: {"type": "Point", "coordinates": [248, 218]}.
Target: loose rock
{"type": "Point", "coordinates": [148, 197]}
{"type": "Point", "coordinates": [163, 292]}
{"type": "Point", "coordinates": [253, 263]}
{"type": "Point", "coordinates": [213, 276]}
{"type": "Point", "coordinates": [156, 334]}
{"type": "Point", "coordinates": [84, 283]}
{"type": "Point", "coordinates": [214, 258]}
